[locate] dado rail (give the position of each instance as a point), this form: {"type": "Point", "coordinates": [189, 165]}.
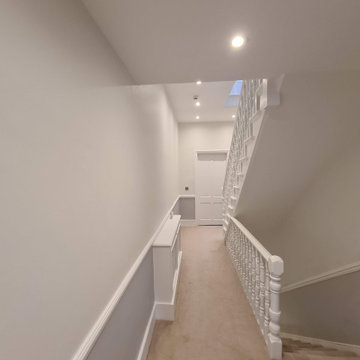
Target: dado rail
{"type": "Point", "coordinates": [260, 275]}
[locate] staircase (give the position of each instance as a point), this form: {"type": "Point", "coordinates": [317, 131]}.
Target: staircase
{"type": "Point", "coordinates": [253, 184]}
{"type": "Point", "coordinates": [258, 270]}
{"type": "Point", "coordinates": [243, 135]}
{"type": "Point", "coordinates": [256, 96]}
{"type": "Point", "coordinates": [298, 350]}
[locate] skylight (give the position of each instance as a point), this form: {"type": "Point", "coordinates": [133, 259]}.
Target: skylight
{"type": "Point", "coordinates": [234, 95]}
{"type": "Point", "coordinates": [236, 89]}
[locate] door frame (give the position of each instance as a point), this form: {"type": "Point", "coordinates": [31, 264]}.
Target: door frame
{"type": "Point", "coordinates": [196, 152]}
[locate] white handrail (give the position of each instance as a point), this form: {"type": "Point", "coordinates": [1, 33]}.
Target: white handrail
{"type": "Point", "coordinates": [260, 275]}
{"type": "Point", "coordinates": [265, 254]}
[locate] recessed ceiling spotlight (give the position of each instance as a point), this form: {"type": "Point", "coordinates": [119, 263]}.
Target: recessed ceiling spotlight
{"type": "Point", "coordinates": [197, 117]}
{"type": "Point", "coordinates": [197, 103]}
{"type": "Point", "coordinates": [199, 82]}
{"type": "Point", "coordinates": [237, 41]}
{"type": "Point", "coordinates": [233, 116]}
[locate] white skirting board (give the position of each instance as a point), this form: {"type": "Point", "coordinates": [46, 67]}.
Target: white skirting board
{"type": "Point", "coordinates": [325, 343]}
{"type": "Point", "coordinates": [343, 270]}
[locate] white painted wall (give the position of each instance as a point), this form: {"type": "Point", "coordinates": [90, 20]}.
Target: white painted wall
{"type": "Point", "coordinates": [199, 136]}
{"type": "Point", "coordinates": [321, 233]}
{"type": "Point", "coordinates": [88, 170]}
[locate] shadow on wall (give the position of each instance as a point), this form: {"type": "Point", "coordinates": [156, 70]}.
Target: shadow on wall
{"type": "Point", "coordinates": [185, 206]}
{"type": "Point", "coordinates": [327, 310]}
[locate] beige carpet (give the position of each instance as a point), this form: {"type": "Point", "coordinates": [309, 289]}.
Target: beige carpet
{"type": "Point", "coordinates": [213, 319]}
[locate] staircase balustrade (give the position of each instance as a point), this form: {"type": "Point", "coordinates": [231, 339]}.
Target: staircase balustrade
{"type": "Point", "coordinates": [248, 107]}
{"type": "Point", "coordinates": [260, 275]}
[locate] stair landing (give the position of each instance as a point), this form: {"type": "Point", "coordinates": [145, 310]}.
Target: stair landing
{"type": "Point", "coordinates": [213, 319]}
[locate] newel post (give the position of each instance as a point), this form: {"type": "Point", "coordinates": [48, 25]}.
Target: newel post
{"type": "Point", "coordinates": [276, 269]}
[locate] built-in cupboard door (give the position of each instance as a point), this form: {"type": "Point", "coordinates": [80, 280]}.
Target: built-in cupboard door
{"type": "Point", "coordinates": [210, 167]}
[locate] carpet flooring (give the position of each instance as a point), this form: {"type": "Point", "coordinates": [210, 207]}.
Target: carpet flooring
{"type": "Point", "coordinates": [213, 319]}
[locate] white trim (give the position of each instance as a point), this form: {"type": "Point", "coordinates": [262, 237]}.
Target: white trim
{"type": "Point", "coordinates": [216, 151]}
{"type": "Point", "coordinates": [325, 343]}
{"type": "Point", "coordinates": [166, 311]}
{"type": "Point", "coordinates": [343, 270]}
{"type": "Point", "coordinates": [255, 242]}
{"type": "Point", "coordinates": [145, 344]}
{"type": "Point", "coordinates": [187, 196]}
{"type": "Point", "coordinates": [100, 323]}
{"type": "Point", "coordinates": [186, 222]}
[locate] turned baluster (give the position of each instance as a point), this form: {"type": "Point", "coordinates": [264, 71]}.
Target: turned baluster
{"type": "Point", "coordinates": [253, 279]}
{"type": "Point", "coordinates": [257, 287]}
{"type": "Point", "coordinates": [276, 269]}
{"type": "Point", "coordinates": [267, 301]}
{"type": "Point", "coordinates": [237, 253]}
{"type": "Point", "coordinates": [247, 279]}
{"type": "Point", "coordinates": [262, 295]}
{"type": "Point", "coordinates": [230, 237]}
{"type": "Point", "coordinates": [249, 270]}
{"type": "Point", "coordinates": [240, 256]}
{"type": "Point", "coordinates": [243, 257]}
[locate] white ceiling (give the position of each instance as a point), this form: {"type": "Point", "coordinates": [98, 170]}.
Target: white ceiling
{"type": "Point", "coordinates": [168, 41]}
{"type": "Point", "coordinates": [212, 97]}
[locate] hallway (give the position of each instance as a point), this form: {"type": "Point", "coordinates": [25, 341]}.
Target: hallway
{"type": "Point", "coordinates": [213, 318]}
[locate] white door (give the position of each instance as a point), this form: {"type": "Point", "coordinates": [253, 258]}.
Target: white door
{"type": "Point", "coordinates": [210, 167]}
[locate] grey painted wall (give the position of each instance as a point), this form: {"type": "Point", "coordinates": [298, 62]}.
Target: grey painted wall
{"type": "Point", "coordinates": [124, 332]}
{"type": "Point", "coordinates": [327, 310]}
{"type": "Point", "coordinates": [322, 231]}
{"type": "Point", "coordinates": [185, 207]}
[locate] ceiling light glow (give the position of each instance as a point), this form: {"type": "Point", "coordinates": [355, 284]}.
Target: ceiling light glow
{"type": "Point", "coordinates": [199, 82]}
{"type": "Point", "coordinates": [197, 103]}
{"type": "Point", "coordinates": [237, 41]}
{"type": "Point", "coordinates": [197, 117]}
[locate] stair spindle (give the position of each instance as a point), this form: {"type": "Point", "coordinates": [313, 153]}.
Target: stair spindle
{"type": "Point", "coordinates": [262, 295]}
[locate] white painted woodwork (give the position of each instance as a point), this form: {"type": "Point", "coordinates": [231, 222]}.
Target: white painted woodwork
{"type": "Point", "coordinates": [340, 271]}
{"type": "Point", "coordinates": [210, 169]}
{"type": "Point", "coordinates": [260, 275]}
{"type": "Point", "coordinates": [276, 268]}
{"type": "Point", "coordinates": [256, 96]}
{"type": "Point", "coordinates": [252, 102]}
{"type": "Point", "coordinates": [167, 258]}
